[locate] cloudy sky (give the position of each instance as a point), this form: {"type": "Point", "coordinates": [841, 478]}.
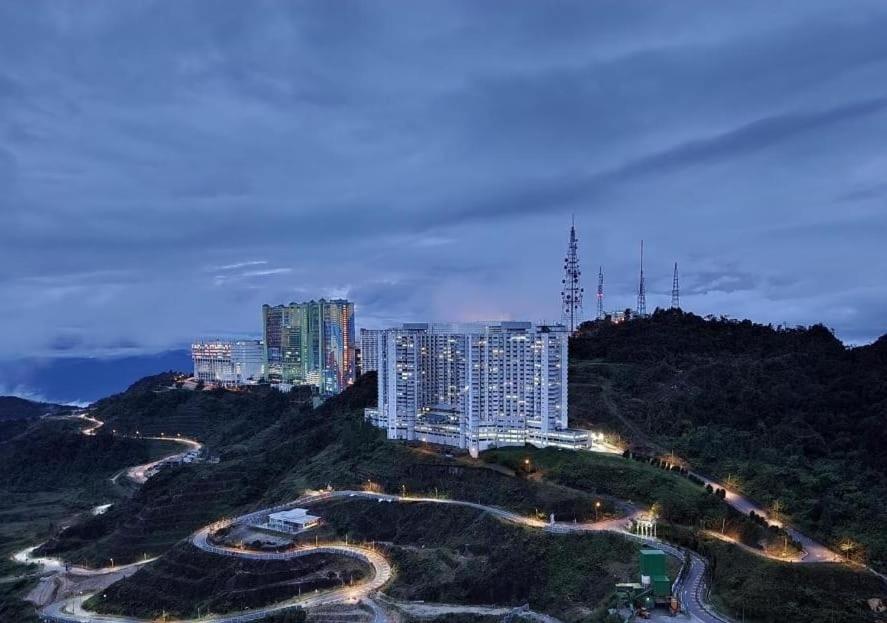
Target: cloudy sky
{"type": "Point", "coordinates": [167, 167]}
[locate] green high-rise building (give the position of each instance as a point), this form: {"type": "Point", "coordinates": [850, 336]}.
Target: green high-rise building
{"type": "Point", "coordinates": [310, 343]}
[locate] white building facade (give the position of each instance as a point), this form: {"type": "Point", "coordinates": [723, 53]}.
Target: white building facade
{"type": "Point", "coordinates": [228, 363]}
{"type": "Point", "coordinates": [475, 386]}
{"type": "Point", "coordinates": [369, 349]}
{"type": "Point", "coordinates": [291, 521]}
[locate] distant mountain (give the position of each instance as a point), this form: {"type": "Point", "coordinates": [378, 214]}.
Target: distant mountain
{"type": "Point", "coordinates": [794, 417]}
{"type": "Point", "coordinates": [84, 379]}
{"type": "Point", "coordinates": [15, 408]}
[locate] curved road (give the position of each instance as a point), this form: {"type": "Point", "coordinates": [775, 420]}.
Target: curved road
{"type": "Point", "coordinates": [690, 587]}
{"type": "Point", "coordinates": [71, 610]}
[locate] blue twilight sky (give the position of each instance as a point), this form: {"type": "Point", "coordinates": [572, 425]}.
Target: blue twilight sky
{"type": "Point", "coordinates": [167, 167]}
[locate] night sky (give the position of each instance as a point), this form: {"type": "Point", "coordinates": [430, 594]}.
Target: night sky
{"type": "Point", "coordinates": [167, 167]}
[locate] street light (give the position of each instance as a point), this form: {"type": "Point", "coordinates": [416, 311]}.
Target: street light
{"type": "Point", "coordinates": [597, 506]}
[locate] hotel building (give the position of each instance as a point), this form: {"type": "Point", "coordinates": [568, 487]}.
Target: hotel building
{"type": "Point", "coordinates": [228, 363]}
{"type": "Point", "coordinates": [310, 343]}
{"type": "Point", "coordinates": [369, 349]}
{"type": "Point", "coordinates": [475, 386]}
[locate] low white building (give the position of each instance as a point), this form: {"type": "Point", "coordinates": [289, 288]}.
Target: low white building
{"type": "Point", "coordinates": [228, 363]}
{"type": "Point", "coordinates": [292, 521]}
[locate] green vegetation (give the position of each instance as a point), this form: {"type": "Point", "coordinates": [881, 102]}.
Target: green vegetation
{"type": "Point", "coordinates": [766, 591]}
{"type": "Point", "coordinates": [678, 499]}
{"type": "Point", "coordinates": [152, 407]}
{"type": "Point", "coordinates": [188, 581]}
{"type": "Point", "coordinates": [771, 592]}
{"type": "Point", "coordinates": [675, 498]}
{"type": "Point", "coordinates": [274, 446]}
{"type": "Point", "coordinates": [18, 415]}
{"type": "Point", "coordinates": [49, 472]}
{"type": "Point", "coordinates": [14, 408]}
{"type": "Point", "coordinates": [303, 448]}
{"type": "Point", "coordinates": [27, 519]}
{"type": "Point", "coordinates": [789, 415]}
{"type": "Point", "coordinates": [54, 455]}
{"type": "Point", "coordinates": [12, 607]}
{"type": "Point", "coordinates": [454, 554]}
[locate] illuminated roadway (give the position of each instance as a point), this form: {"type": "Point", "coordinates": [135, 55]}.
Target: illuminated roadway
{"type": "Point", "coordinates": [690, 587]}
{"type": "Point", "coordinates": [139, 473]}
{"type": "Point", "coordinates": [813, 550]}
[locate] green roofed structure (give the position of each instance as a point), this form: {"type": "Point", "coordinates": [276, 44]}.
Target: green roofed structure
{"type": "Point", "coordinates": [654, 574]}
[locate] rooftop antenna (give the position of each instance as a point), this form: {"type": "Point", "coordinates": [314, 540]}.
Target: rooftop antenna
{"type": "Point", "coordinates": [642, 289]}
{"type": "Point", "coordinates": [571, 295]}
{"type": "Point", "coordinates": [600, 293]}
{"type": "Point", "coordinates": [675, 290]}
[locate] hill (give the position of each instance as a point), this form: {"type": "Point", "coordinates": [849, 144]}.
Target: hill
{"type": "Point", "coordinates": [789, 416]}
{"type": "Point", "coordinates": [15, 408]}
{"type": "Point", "coordinates": [274, 446]}
{"type": "Point", "coordinates": [50, 472]}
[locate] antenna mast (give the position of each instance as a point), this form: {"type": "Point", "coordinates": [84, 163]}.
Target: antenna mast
{"type": "Point", "coordinates": [675, 290]}
{"type": "Point", "coordinates": [600, 293]}
{"type": "Point", "coordinates": [642, 288]}
{"type": "Point", "coordinates": [571, 295]}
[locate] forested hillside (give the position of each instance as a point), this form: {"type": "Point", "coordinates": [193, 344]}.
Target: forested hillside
{"type": "Point", "coordinates": [792, 417]}
{"type": "Point", "coordinates": [274, 446]}
{"type": "Point", "coordinates": [15, 408]}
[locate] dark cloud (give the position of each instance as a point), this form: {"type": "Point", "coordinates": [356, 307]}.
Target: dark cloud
{"type": "Point", "coordinates": [165, 168]}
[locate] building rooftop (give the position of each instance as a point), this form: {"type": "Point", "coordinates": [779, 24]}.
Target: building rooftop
{"type": "Point", "coordinates": [295, 514]}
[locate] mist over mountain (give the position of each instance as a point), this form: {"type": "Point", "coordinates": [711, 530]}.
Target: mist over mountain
{"type": "Point", "coordinates": [81, 380]}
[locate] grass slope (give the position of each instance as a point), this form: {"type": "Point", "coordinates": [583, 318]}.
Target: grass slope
{"type": "Point", "coordinates": [187, 580]}
{"type": "Point", "coordinates": [462, 555]}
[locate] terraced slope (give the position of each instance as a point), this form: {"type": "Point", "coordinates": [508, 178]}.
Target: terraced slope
{"type": "Point", "coordinates": [187, 579]}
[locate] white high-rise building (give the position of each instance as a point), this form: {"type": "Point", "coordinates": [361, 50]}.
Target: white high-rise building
{"type": "Point", "coordinates": [228, 362]}
{"type": "Point", "coordinates": [475, 386]}
{"type": "Point", "coordinates": [369, 349]}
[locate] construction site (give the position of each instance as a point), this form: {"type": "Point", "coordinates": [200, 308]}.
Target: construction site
{"type": "Point", "coordinates": [653, 594]}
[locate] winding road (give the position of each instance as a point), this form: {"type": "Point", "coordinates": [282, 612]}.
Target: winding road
{"type": "Point", "coordinates": [690, 587]}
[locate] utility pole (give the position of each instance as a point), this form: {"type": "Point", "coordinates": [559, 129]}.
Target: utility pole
{"type": "Point", "coordinates": [571, 295]}
{"type": "Point", "coordinates": [642, 288]}
{"type": "Point", "coordinates": [675, 290]}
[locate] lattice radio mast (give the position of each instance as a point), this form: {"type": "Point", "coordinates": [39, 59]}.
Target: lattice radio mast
{"type": "Point", "coordinates": [675, 290]}
{"type": "Point", "coordinates": [642, 288]}
{"type": "Point", "coordinates": [571, 295]}
{"type": "Point", "coordinates": [600, 293]}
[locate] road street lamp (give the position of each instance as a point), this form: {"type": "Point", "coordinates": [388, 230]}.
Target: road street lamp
{"type": "Point", "coordinates": [597, 506]}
